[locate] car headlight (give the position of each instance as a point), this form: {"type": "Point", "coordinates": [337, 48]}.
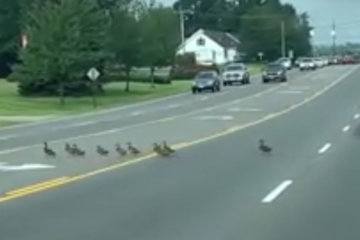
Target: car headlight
{"type": "Point", "coordinates": [279, 73]}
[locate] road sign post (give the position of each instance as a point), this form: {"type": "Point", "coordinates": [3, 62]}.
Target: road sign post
{"type": "Point", "coordinates": [93, 74]}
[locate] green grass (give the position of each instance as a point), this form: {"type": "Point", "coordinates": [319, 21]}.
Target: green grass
{"type": "Point", "coordinates": [255, 68]}
{"type": "Point", "coordinates": [13, 106]}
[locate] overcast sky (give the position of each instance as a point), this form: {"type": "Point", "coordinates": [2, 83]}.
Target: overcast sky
{"type": "Point", "coordinates": [346, 14]}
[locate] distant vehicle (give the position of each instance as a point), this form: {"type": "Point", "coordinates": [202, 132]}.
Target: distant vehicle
{"type": "Point", "coordinates": [206, 80]}
{"type": "Point", "coordinates": [307, 64]}
{"type": "Point", "coordinates": [348, 60]}
{"type": "Point", "coordinates": [298, 61]}
{"type": "Point", "coordinates": [235, 73]}
{"type": "Point", "coordinates": [286, 62]}
{"type": "Point", "coordinates": [274, 72]}
{"type": "Point", "coordinates": [319, 62]}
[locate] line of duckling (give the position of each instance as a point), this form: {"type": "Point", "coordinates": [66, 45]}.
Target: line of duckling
{"type": "Point", "coordinates": [74, 150]}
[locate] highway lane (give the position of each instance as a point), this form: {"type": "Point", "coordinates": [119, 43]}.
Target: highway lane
{"type": "Point", "coordinates": [125, 116]}
{"type": "Point", "coordinates": [215, 190]}
{"type": "Point", "coordinates": [182, 130]}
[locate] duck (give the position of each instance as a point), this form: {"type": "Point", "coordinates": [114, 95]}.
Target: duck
{"type": "Point", "coordinates": [102, 151]}
{"type": "Point", "coordinates": [68, 148]}
{"type": "Point", "coordinates": [263, 147]}
{"type": "Point", "coordinates": [159, 150]}
{"type": "Point", "coordinates": [122, 152]}
{"type": "Point", "coordinates": [77, 151]}
{"type": "Point", "coordinates": [133, 150]}
{"type": "Point", "coordinates": [49, 152]}
{"type": "Point", "coordinates": [167, 148]}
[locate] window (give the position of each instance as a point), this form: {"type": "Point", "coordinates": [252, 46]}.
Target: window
{"type": "Point", "coordinates": [201, 42]}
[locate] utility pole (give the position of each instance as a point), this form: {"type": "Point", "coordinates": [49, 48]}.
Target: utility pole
{"type": "Point", "coordinates": [182, 24]}
{"type": "Point", "coordinates": [333, 34]}
{"type": "Point", "coordinates": [283, 39]}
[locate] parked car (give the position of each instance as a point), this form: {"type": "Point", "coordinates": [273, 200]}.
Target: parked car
{"type": "Point", "coordinates": [286, 62]}
{"type": "Point", "coordinates": [298, 61]}
{"type": "Point", "coordinates": [235, 73]}
{"type": "Point", "coordinates": [307, 64]}
{"type": "Point", "coordinates": [206, 80]}
{"type": "Point", "coordinates": [274, 72]}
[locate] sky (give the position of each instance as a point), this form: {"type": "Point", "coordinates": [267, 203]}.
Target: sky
{"type": "Point", "coordinates": [345, 13]}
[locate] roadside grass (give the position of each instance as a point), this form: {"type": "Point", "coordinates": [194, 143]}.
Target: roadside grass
{"type": "Point", "coordinates": [255, 68]}
{"type": "Point", "coordinates": [14, 107]}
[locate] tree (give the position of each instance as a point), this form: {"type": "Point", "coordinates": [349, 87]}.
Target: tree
{"type": "Point", "coordinates": [124, 41]}
{"type": "Point", "coordinates": [255, 22]}
{"type": "Point", "coordinates": [159, 37]}
{"type": "Point", "coordinates": [65, 40]}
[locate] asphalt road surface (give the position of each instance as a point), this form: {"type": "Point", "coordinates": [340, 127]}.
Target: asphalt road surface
{"type": "Point", "coordinates": [218, 185]}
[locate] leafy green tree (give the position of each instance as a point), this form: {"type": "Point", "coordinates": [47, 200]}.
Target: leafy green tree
{"type": "Point", "coordinates": [124, 41]}
{"type": "Point", "coordinates": [159, 37]}
{"type": "Point", "coordinates": [65, 39]}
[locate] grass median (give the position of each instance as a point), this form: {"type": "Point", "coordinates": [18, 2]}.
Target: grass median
{"type": "Point", "coordinates": [17, 109]}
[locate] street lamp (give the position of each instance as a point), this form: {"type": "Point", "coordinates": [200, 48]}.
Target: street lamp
{"type": "Point", "coordinates": [312, 35]}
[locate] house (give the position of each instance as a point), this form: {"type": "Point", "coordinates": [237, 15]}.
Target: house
{"type": "Point", "coordinates": [211, 47]}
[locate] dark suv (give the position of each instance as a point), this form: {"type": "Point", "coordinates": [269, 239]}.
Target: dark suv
{"type": "Point", "coordinates": [274, 72]}
{"type": "Point", "coordinates": [206, 80]}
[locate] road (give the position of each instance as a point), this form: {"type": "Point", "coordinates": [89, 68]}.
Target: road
{"type": "Point", "coordinates": [218, 186]}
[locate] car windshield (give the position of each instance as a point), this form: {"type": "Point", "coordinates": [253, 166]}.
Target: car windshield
{"type": "Point", "coordinates": [235, 68]}
{"type": "Point", "coordinates": [274, 67]}
{"type": "Point", "coordinates": [205, 75]}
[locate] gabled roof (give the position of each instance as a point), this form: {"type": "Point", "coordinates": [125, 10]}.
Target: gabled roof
{"type": "Point", "coordinates": [224, 39]}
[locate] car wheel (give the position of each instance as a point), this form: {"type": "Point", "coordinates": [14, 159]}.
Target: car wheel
{"type": "Point", "coordinates": [194, 91]}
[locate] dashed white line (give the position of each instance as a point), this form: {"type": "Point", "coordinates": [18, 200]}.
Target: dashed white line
{"type": "Point", "coordinates": [7, 137]}
{"type": "Point", "coordinates": [290, 92]}
{"type": "Point", "coordinates": [346, 128]}
{"type": "Point", "coordinates": [277, 191]}
{"type": "Point", "coordinates": [357, 116]}
{"type": "Point", "coordinates": [325, 148]}
{"type": "Point", "coordinates": [135, 114]}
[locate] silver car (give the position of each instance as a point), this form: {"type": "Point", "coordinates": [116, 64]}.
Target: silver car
{"type": "Point", "coordinates": [235, 73]}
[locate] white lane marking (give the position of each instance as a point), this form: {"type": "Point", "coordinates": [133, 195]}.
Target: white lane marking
{"type": "Point", "coordinates": [346, 128]}
{"type": "Point", "coordinates": [325, 148]}
{"type": "Point", "coordinates": [82, 124]}
{"type": "Point", "coordinates": [290, 92]}
{"type": "Point", "coordinates": [357, 116]}
{"type": "Point", "coordinates": [7, 137]}
{"type": "Point", "coordinates": [223, 118]}
{"type": "Point", "coordinates": [236, 109]}
{"type": "Point", "coordinates": [172, 106]}
{"type": "Point", "coordinates": [24, 167]}
{"type": "Point", "coordinates": [300, 88]}
{"type": "Point", "coordinates": [230, 130]}
{"type": "Point", "coordinates": [277, 191]}
{"type": "Point", "coordinates": [137, 113]}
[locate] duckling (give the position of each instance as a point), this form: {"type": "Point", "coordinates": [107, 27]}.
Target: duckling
{"type": "Point", "coordinates": [102, 151]}
{"type": "Point", "coordinates": [167, 148]}
{"type": "Point", "coordinates": [122, 152]}
{"type": "Point", "coordinates": [68, 148]}
{"type": "Point", "coordinates": [158, 150]}
{"type": "Point", "coordinates": [77, 151]}
{"type": "Point", "coordinates": [49, 152]}
{"type": "Point", "coordinates": [263, 147]}
{"type": "Point", "coordinates": [133, 150]}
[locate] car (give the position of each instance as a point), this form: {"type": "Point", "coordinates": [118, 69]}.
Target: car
{"type": "Point", "coordinates": [286, 62]}
{"type": "Point", "coordinates": [274, 72]}
{"type": "Point", "coordinates": [206, 80]}
{"type": "Point", "coordinates": [298, 61]}
{"type": "Point", "coordinates": [235, 73]}
{"type": "Point", "coordinates": [319, 62]}
{"type": "Point", "coordinates": [306, 64]}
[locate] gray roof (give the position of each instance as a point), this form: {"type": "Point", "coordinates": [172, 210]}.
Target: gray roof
{"type": "Point", "coordinates": [226, 40]}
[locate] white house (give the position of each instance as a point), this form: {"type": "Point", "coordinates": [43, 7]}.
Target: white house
{"type": "Point", "coordinates": [211, 47]}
